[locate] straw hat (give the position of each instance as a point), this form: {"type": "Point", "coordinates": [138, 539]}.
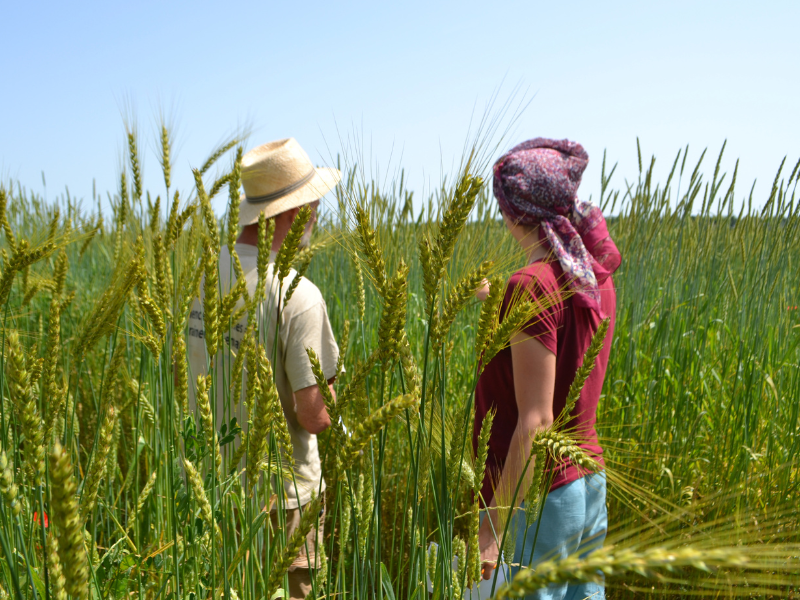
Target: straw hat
{"type": "Point", "coordinates": [279, 176]}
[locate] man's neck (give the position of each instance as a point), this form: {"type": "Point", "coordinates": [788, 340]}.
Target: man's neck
{"type": "Point", "coordinates": [249, 236]}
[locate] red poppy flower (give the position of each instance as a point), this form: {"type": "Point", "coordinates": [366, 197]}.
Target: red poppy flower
{"type": "Point", "coordinates": [36, 519]}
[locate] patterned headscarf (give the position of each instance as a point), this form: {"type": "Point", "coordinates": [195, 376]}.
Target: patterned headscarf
{"type": "Point", "coordinates": [536, 183]}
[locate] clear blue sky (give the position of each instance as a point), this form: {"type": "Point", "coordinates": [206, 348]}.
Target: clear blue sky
{"type": "Point", "coordinates": [405, 75]}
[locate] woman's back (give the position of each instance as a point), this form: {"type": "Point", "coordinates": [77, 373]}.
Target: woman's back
{"type": "Point", "coordinates": [565, 328]}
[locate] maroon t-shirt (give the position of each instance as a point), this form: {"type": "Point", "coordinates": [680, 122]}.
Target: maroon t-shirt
{"type": "Point", "coordinates": [566, 330]}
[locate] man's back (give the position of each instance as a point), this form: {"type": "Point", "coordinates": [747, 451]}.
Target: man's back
{"type": "Point", "coordinates": [302, 323]}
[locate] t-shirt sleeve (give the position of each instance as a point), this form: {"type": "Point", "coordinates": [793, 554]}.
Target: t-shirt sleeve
{"type": "Point", "coordinates": [310, 329]}
{"type": "Point", "coordinates": [542, 289]}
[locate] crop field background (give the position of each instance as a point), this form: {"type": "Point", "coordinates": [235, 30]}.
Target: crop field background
{"type": "Point", "coordinates": [112, 488]}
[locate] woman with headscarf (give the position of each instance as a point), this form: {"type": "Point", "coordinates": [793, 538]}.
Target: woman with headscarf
{"type": "Point", "coordinates": [570, 258]}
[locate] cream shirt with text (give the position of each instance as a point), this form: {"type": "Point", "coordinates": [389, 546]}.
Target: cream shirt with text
{"type": "Point", "coordinates": [303, 323]}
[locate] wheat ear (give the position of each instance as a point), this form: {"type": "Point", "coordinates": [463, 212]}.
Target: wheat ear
{"type": "Point", "coordinates": [453, 221]}
{"type": "Point", "coordinates": [19, 381]}
{"type": "Point", "coordinates": [211, 300]}
{"type": "Point", "coordinates": [97, 469]}
{"type": "Point", "coordinates": [562, 448]}
{"type": "Point", "coordinates": [8, 488]}
{"type": "Point", "coordinates": [166, 146]}
{"type": "Point", "coordinates": [393, 318]}
{"type": "Point", "coordinates": [371, 426]}
{"type": "Point", "coordinates": [515, 319]}
{"type": "Point", "coordinates": [55, 572]}
{"type": "Point", "coordinates": [490, 313]}
{"type": "Point", "coordinates": [372, 252]}
{"type": "Point", "coordinates": [272, 403]}
{"type": "Point", "coordinates": [285, 256]}
{"type": "Point", "coordinates": [207, 211]}
{"type": "Point", "coordinates": [196, 483]}
{"type": "Point", "coordinates": [477, 483]}
{"type": "Point", "coordinates": [216, 154]}
{"type": "Point", "coordinates": [266, 233]}
{"type": "Point", "coordinates": [163, 276]}
{"type": "Point", "coordinates": [457, 299]}
{"type": "Point", "coordinates": [207, 419]}
{"type": "Point", "coordinates": [583, 372]}
{"type": "Point", "coordinates": [234, 183]}
{"type": "Point", "coordinates": [67, 519]}
{"type": "Point", "coordinates": [283, 561]}
{"type": "Point", "coordinates": [238, 366]}
{"type": "Point", "coordinates": [609, 561]}
{"type": "Point", "coordinates": [181, 371]}
{"type": "Point", "coordinates": [361, 300]}
{"type": "Point", "coordinates": [155, 214]}
{"type": "Point", "coordinates": [135, 168]}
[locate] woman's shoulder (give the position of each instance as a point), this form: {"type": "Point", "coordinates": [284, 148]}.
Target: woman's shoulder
{"type": "Point", "coordinates": [541, 273]}
{"type": "Point", "coordinates": [539, 280]}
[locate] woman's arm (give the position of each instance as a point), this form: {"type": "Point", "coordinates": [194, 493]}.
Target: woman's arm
{"type": "Point", "coordinates": [534, 382]}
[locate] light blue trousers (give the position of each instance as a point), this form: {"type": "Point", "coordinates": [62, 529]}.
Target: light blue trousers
{"type": "Point", "coordinates": [574, 519]}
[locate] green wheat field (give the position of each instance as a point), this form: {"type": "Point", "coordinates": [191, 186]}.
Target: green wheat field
{"type": "Point", "coordinates": [112, 488]}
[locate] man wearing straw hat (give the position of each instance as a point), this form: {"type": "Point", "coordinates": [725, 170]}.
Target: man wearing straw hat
{"type": "Point", "coordinates": [278, 179]}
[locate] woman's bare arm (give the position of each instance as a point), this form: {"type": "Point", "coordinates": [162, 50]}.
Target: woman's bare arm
{"type": "Point", "coordinates": [534, 382]}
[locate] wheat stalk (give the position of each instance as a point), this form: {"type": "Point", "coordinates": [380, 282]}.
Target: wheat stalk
{"type": "Point", "coordinates": [140, 502]}
{"type": "Point", "coordinates": [97, 469]}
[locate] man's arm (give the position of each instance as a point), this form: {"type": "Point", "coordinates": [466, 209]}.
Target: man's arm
{"type": "Point", "coordinates": [534, 382]}
{"type": "Point", "coordinates": [310, 328]}
{"type": "Point", "coordinates": [310, 408]}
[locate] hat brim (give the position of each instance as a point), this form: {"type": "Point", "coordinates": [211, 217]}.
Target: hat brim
{"type": "Point", "coordinates": [322, 183]}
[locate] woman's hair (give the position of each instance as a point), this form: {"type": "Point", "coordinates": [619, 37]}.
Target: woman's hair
{"type": "Point", "coordinates": [536, 183]}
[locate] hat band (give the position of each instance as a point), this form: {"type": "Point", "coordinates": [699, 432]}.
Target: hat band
{"type": "Point", "coordinates": [283, 191]}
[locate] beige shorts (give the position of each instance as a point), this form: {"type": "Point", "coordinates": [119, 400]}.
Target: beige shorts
{"type": "Point", "coordinates": [307, 557]}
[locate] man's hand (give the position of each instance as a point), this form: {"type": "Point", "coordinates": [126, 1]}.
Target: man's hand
{"type": "Point", "coordinates": [490, 554]}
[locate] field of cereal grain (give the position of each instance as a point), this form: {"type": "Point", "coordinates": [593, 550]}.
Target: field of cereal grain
{"type": "Point", "coordinates": [112, 488]}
